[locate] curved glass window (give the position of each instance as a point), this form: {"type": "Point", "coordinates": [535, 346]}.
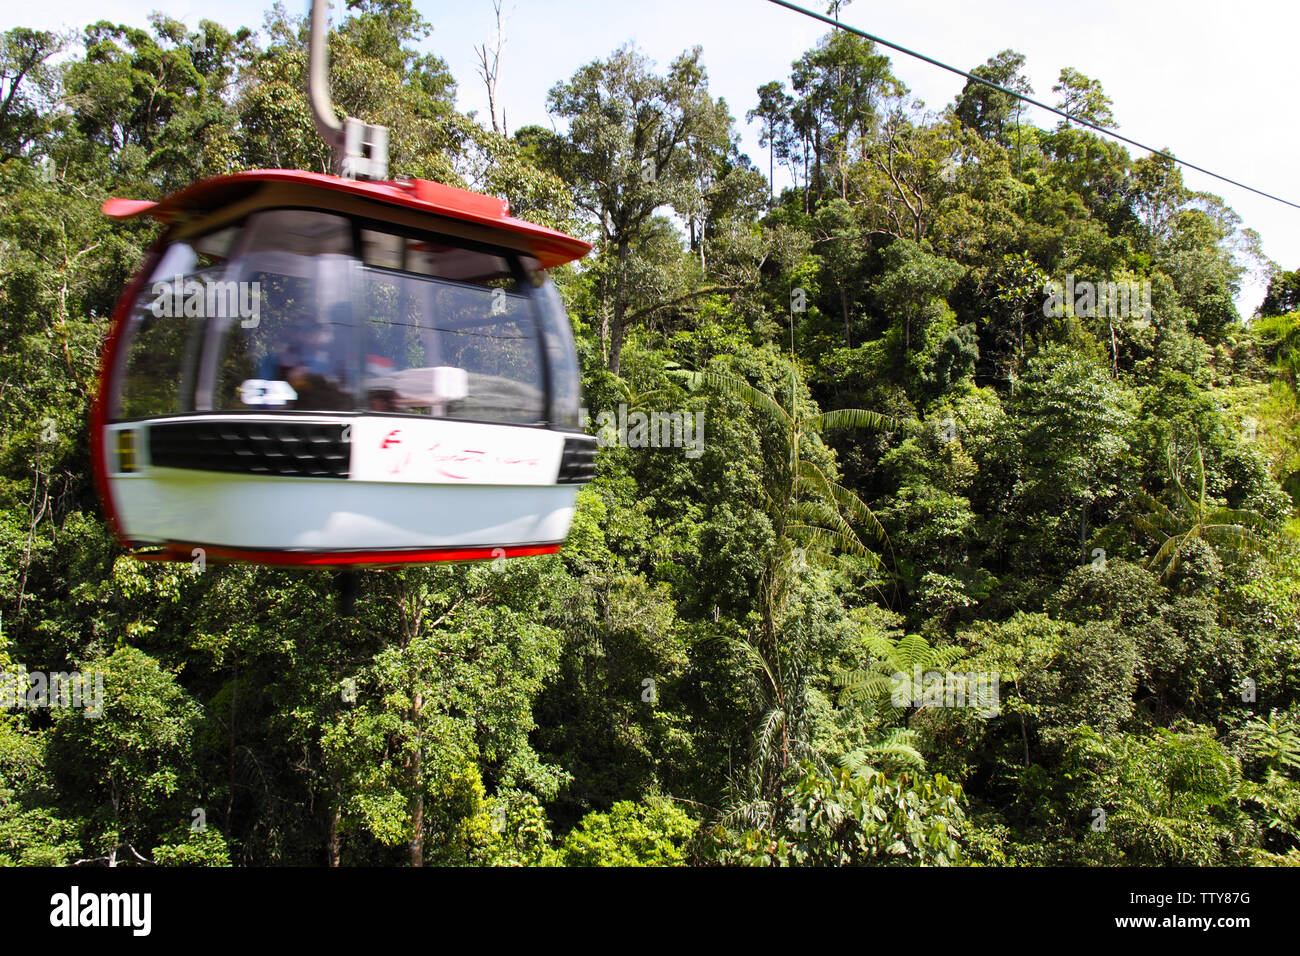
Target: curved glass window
{"type": "Point", "coordinates": [451, 349]}
{"type": "Point", "coordinates": [166, 326]}
{"type": "Point", "coordinates": [292, 346]}
{"type": "Point", "coordinates": [561, 355]}
{"type": "Point", "coordinates": [303, 310]}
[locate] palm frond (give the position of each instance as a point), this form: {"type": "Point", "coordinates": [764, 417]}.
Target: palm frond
{"type": "Point", "coordinates": [852, 418]}
{"type": "Point", "coordinates": [1159, 512]}
{"type": "Point", "coordinates": [816, 514]}
{"type": "Point", "coordinates": [1238, 516]}
{"type": "Point", "coordinates": [772, 725]}
{"type": "Point", "coordinates": [739, 388]}
{"type": "Point", "coordinates": [1168, 555]}
{"type": "Point", "coordinates": [854, 507]}
{"type": "Point", "coordinates": [755, 657]}
{"type": "Point", "coordinates": [1233, 537]}
{"type": "Point", "coordinates": [814, 537]}
{"type": "Point", "coordinates": [1159, 530]}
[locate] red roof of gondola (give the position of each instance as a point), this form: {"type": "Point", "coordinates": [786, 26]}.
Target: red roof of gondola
{"type": "Point", "coordinates": [552, 248]}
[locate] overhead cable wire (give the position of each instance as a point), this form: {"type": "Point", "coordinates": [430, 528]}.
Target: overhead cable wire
{"type": "Point", "coordinates": [1030, 100]}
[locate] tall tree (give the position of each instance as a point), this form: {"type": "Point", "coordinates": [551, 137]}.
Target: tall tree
{"type": "Point", "coordinates": [987, 111]}
{"type": "Point", "coordinates": [811, 515]}
{"type": "Point", "coordinates": [27, 85]}
{"type": "Point", "coordinates": [841, 84]}
{"type": "Point", "coordinates": [635, 142]}
{"type": "Point", "coordinates": [1283, 294]}
{"type": "Point", "coordinates": [1083, 97]}
{"type": "Point", "coordinates": [1073, 426]}
{"type": "Point", "coordinates": [773, 109]}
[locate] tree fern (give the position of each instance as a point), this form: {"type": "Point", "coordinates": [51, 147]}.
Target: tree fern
{"type": "Point", "coordinates": [895, 751]}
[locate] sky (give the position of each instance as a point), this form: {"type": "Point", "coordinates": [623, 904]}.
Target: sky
{"type": "Point", "coordinates": [1212, 82]}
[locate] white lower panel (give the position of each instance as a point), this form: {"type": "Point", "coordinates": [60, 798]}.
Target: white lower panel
{"type": "Point", "coordinates": [323, 514]}
{"type": "Point", "coordinates": [442, 451]}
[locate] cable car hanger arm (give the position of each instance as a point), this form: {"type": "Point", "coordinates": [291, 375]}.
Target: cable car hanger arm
{"type": "Point", "coordinates": [361, 148]}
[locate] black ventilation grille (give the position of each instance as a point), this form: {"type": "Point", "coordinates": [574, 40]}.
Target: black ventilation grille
{"type": "Point", "coordinates": [578, 463]}
{"type": "Point", "coordinates": [300, 449]}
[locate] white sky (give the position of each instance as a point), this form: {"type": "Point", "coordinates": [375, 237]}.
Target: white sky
{"type": "Point", "coordinates": [1211, 81]}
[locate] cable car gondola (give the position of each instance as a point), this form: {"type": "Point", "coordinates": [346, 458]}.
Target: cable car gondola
{"type": "Point", "coordinates": [325, 370]}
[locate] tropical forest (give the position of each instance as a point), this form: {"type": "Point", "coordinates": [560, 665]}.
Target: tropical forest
{"type": "Point", "coordinates": [944, 510]}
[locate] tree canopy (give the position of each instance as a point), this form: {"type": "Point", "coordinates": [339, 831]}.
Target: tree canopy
{"type": "Point", "coordinates": [914, 470]}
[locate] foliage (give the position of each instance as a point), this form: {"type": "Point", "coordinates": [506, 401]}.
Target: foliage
{"type": "Point", "coordinates": [908, 461]}
{"type": "Point", "coordinates": [843, 820]}
{"type": "Point", "coordinates": [630, 834]}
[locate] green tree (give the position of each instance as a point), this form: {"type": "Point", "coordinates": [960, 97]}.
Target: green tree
{"type": "Point", "coordinates": [773, 110]}
{"type": "Point", "coordinates": [27, 83]}
{"type": "Point", "coordinates": [654, 833]}
{"type": "Point", "coordinates": [913, 288]}
{"type": "Point", "coordinates": [127, 764]}
{"type": "Point", "coordinates": [1083, 97]}
{"type": "Point", "coordinates": [988, 111]}
{"type": "Point", "coordinates": [634, 144]}
{"type": "Point", "coordinates": [1072, 425]}
{"type": "Point", "coordinates": [1283, 294]}
{"type": "Point", "coordinates": [1168, 798]}
{"type": "Point", "coordinates": [810, 514]}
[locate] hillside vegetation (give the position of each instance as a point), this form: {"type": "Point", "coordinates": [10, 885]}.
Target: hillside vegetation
{"type": "Point", "coordinates": [909, 467]}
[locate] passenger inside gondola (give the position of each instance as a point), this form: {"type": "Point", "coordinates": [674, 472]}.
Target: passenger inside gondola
{"type": "Point", "coordinates": [309, 361]}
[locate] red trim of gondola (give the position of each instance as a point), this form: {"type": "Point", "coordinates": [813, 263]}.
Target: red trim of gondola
{"type": "Point", "coordinates": [126, 208]}
{"type": "Point", "coordinates": [551, 247]}
{"type": "Point", "coordinates": [218, 555]}
{"type": "Point", "coordinates": [99, 405]}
